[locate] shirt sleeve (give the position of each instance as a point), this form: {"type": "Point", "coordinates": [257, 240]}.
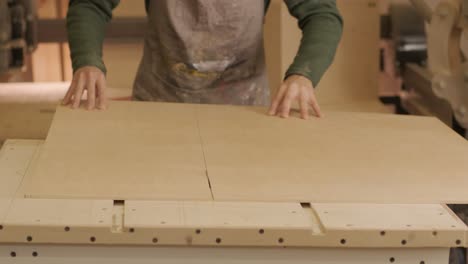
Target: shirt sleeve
{"type": "Point", "coordinates": [86, 22]}
{"type": "Point", "coordinates": [322, 27]}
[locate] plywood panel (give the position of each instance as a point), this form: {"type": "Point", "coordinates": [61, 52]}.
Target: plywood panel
{"type": "Point", "coordinates": [344, 157]}
{"type": "Point", "coordinates": [131, 150]}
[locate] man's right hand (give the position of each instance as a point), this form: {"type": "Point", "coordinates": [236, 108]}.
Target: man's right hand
{"type": "Point", "coordinates": [91, 79]}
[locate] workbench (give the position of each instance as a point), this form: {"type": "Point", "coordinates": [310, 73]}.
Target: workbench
{"type": "Point", "coordinates": [181, 183]}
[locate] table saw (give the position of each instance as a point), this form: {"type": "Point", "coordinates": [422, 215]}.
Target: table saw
{"type": "Point", "coordinates": [181, 183]}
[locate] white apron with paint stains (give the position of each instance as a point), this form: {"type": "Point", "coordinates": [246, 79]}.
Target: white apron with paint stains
{"type": "Point", "coordinates": [204, 51]}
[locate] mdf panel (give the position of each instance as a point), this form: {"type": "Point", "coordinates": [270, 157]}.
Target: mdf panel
{"type": "Point", "coordinates": [344, 157]}
{"type": "Point", "coordinates": [128, 151]}
{"type": "Point", "coordinates": [166, 151]}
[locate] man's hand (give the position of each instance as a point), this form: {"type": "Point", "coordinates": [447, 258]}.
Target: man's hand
{"type": "Point", "coordinates": [295, 87]}
{"type": "Point", "coordinates": [92, 80]}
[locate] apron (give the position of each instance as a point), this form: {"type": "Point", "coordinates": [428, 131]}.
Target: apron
{"type": "Point", "coordinates": [204, 51]}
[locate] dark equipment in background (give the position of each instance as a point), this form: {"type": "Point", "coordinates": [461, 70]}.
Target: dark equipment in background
{"type": "Point", "coordinates": [405, 26]}
{"type": "Point", "coordinates": [18, 33]}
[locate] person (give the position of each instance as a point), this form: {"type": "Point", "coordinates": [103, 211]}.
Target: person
{"type": "Point", "coordinates": [205, 51]}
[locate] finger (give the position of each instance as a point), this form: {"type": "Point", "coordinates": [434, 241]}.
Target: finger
{"type": "Point", "coordinates": [78, 93]}
{"type": "Point", "coordinates": [286, 105]}
{"type": "Point", "coordinates": [304, 106]}
{"type": "Point", "coordinates": [314, 104]}
{"type": "Point", "coordinates": [101, 93]}
{"type": "Point", "coordinates": [276, 102]}
{"type": "Point", "coordinates": [91, 88]}
{"type": "Point", "coordinates": [68, 96]}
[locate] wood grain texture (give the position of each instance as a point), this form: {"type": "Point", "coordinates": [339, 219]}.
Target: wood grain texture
{"type": "Point", "coordinates": [161, 151]}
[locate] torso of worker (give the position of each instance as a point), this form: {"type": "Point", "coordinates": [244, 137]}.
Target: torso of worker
{"type": "Point", "coordinates": [204, 51]}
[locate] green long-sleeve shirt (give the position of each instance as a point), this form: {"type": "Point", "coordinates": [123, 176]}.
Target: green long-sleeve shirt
{"type": "Point", "coordinates": [319, 20]}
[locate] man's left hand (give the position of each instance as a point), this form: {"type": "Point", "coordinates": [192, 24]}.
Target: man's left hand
{"type": "Point", "coordinates": [295, 88]}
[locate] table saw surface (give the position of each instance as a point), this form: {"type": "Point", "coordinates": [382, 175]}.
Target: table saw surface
{"type": "Point", "coordinates": [204, 175]}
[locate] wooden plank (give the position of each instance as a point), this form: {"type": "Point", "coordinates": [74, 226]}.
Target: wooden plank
{"type": "Point", "coordinates": [344, 157]}
{"type": "Point", "coordinates": [132, 150]}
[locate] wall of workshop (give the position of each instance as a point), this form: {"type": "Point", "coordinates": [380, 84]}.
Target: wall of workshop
{"type": "Point", "coordinates": [353, 77]}
{"type": "Point", "coordinates": [51, 61]}
{"type": "Point", "coordinates": [48, 62]}
{"type": "Point", "coordinates": [122, 59]}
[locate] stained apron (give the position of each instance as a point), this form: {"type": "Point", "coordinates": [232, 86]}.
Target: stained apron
{"type": "Point", "coordinates": [204, 51]}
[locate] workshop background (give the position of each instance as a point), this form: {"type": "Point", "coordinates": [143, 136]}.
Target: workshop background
{"type": "Point", "coordinates": [380, 65]}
